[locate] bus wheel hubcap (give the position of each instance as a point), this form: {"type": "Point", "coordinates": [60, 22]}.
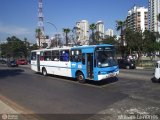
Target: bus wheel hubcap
{"type": "Point", "coordinates": [44, 72]}
{"type": "Point", "coordinates": [80, 77]}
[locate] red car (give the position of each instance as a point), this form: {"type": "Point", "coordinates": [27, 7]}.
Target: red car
{"type": "Point", "coordinates": [22, 62]}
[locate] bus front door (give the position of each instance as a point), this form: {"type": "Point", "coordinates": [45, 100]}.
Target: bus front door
{"type": "Point", "coordinates": [90, 65]}
{"type": "Point", "coordinates": [38, 63]}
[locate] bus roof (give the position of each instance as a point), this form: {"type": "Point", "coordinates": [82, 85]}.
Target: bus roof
{"type": "Point", "coordinates": [66, 47]}
{"type": "Point", "coordinates": [86, 46]}
{"type": "Point", "coordinates": [55, 48]}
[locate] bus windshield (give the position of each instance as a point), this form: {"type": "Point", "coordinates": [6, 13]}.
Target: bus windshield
{"type": "Point", "coordinates": [106, 57]}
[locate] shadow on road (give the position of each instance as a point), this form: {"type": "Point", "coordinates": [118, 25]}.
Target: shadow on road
{"type": "Point", "coordinates": [9, 72]}
{"type": "Point", "coordinates": [154, 80]}
{"type": "Point", "coordinates": [96, 83]}
{"type": "Point", "coordinates": [103, 82]}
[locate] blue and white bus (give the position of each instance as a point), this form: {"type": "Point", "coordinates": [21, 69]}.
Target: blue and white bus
{"type": "Point", "coordinates": [92, 62]}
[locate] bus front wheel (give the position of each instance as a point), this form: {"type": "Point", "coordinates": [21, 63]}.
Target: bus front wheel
{"type": "Point", "coordinates": [80, 77]}
{"type": "Point", "coordinates": [44, 72]}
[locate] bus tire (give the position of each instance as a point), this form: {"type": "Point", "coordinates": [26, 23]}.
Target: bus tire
{"type": "Point", "coordinates": [44, 71]}
{"type": "Point", "coordinates": [80, 77]}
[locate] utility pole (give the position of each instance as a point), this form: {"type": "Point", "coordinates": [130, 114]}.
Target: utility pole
{"type": "Point", "coordinates": [41, 23]}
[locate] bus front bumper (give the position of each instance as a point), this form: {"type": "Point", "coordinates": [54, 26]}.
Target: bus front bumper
{"type": "Point", "coordinates": [105, 76]}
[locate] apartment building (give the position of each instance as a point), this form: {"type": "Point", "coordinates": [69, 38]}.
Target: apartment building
{"type": "Point", "coordinates": [82, 31]}
{"type": "Point", "coordinates": [109, 32]}
{"type": "Point", "coordinates": [100, 28]}
{"type": "Point", "coordinates": [153, 12]}
{"type": "Point", "coordinates": [137, 19]}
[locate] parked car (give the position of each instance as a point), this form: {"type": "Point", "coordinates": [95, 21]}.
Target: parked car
{"type": "Point", "coordinates": [12, 63]}
{"type": "Point", "coordinates": [22, 62]}
{"type": "Point", "coordinates": [126, 63]}
{"type": "Point", "coordinates": [2, 61]}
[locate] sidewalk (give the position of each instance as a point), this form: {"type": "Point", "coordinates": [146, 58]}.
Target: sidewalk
{"type": "Point", "coordinates": [4, 108]}
{"type": "Point", "coordinates": [8, 113]}
{"type": "Point", "coordinates": [9, 110]}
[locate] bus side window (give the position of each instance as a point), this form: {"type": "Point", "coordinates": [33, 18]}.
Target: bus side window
{"type": "Point", "coordinates": [55, 55]}
{"type": "Point", "coordinates": [64, 55]}
{"type": "Point", "coordinates": [79, 56]}
{"type": "Point", "coordinates": [76, 56]}
{"type": "Point", "coordinates": [47, 55]}
{"type": "Point", "coordinates": [33, 56]}
{"type": "Point", "coordinates": [83, 58]}
{"type": "Point", "coordinates": [72, 56]}
{"type": "Point", "coordinates": [41, 56]}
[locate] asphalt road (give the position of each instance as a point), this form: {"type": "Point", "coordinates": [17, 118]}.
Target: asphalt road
{"type": "Point", "coordinates": [131, 93]}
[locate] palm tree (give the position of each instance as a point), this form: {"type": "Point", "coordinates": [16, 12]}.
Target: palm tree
{"type": "Point", "coordinates": [120, 27]}
{"type": "Point", "coordinates": [38, 35]}
{"type": "Point", "coordinates": [66, 31]}
{"type": "Point", "coordinates": [98, 37]}
{"type": "Point", "coordinates": [92, 27]}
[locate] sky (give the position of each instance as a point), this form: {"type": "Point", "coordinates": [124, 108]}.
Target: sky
{"type": "Point", "coordinates": [20, 17]}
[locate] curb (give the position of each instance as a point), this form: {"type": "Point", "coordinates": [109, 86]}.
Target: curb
{"type": "Point", "coordinates": [140, 68]}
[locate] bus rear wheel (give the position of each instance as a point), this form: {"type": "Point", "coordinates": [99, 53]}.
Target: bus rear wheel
{"type": "Point", "coordinates": [80, 77]}
{"type": "Point", "coordinates": [44, 72]}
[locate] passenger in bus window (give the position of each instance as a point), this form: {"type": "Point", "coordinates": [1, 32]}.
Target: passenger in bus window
{"type": "Point", "coordinates": [65, 56]}
{"type": "Point", "coordinates": [41, 58]}
{"type": "Point", "coordinates": [56, 59]}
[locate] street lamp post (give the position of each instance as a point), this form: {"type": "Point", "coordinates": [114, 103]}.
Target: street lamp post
{"type": "Point", "coordinates": [53, 26]}
{"type": "Point", "coordinates": [56, 30]}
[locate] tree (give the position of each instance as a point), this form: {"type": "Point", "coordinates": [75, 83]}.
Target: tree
{"type": "Point", "coordinates": [110, 40]}
{"type": "Point", "coordinates": [98, 37]}
{"type": "Point", "coordinates": [15, 48]}
{"type": "Point", "coordinates": [150, 43]}
{"type": "Point", "coordinates": [33, 47]}
{"type": "Point", "coordinates": [135, 42]}
{"type": "Point", "coordinates": [75, 36]}
{"type": "Point", "coordinates": [141, 43]}
{"type": "Point", "coordinates": [66, 31]}
{"type": "Point", "coordinates": [120, 26]}
{"type": "Point", "coordinates": [92, 27]}
{"type": "Point", "coordinates": [39, 36]}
